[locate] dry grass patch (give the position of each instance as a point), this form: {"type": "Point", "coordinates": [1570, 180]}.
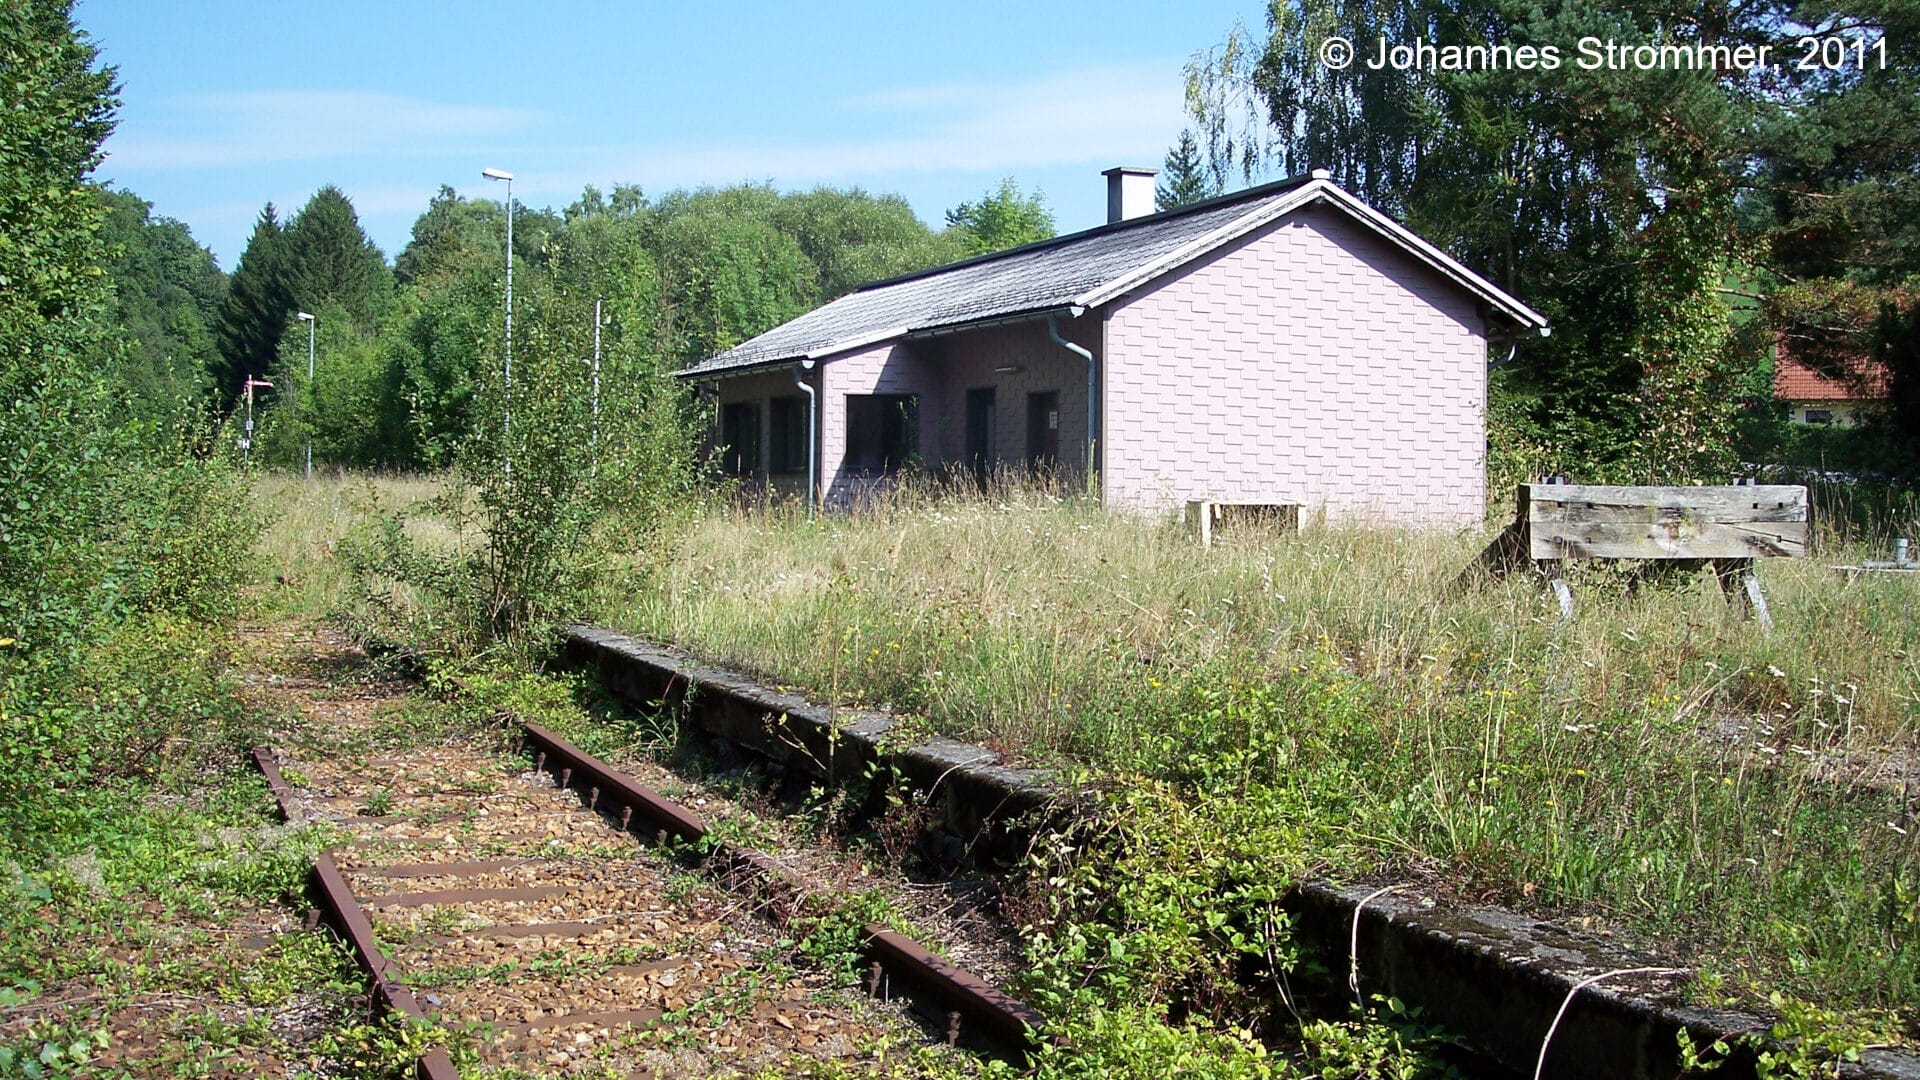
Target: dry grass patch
{"type": "Point", "coordinates": [1661, 764]}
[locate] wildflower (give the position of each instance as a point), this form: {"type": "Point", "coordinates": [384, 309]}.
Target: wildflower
{"type": "Point", "coordinates": [1776, 672]}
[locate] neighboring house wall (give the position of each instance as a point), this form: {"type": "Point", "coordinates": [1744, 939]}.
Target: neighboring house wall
{"type": "Point", "coordinates": [1310, 363]}
{"type": "Point", "coordinates": [1812, 396]}
{"type": "Point", "coordinates": [1843, 413]}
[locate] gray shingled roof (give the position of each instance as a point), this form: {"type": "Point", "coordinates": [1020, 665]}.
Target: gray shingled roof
{"type": "Point", "coordinates": [1046, 276]}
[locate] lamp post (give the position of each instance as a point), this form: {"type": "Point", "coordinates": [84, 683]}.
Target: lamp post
{"type": "Point", "coordinates": [507, 368]}
{"type": "Point", "coordinates": [309, 320]}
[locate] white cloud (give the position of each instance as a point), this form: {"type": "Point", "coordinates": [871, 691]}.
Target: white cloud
{"type": "Point", "coordinates": [1110, 115]}
{"type": "Point", "coordinates": [203, 131]}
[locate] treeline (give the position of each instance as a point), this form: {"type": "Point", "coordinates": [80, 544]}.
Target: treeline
{"type": "Point", "coordinates": [401, 351]}
{"type": "Point", "coordinates": [126, 529]}
{"type": "Point", "coordinates": [122, 543]}
{"type": "Point", "coordinates": [1673, 222]}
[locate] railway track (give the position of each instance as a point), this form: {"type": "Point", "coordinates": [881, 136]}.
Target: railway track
{"type": "Point", "coordinates": [526, 905]}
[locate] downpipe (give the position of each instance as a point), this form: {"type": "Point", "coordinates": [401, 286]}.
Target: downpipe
{"type": "Point", "coordinates": [1053, 331]}
{"type": "Point", "coordinates": [813, 414]}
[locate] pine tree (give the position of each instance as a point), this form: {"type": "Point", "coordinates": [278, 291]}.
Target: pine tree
{"type": "Point", "coordinates": [329, 261]}
{"type": "Point", "coordinates": [1185, 180]}
{"type": "Point", "coordinates": [256, 310]}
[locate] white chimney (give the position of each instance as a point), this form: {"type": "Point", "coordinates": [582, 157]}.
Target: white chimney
{"type": "Point", "coordinates": [1129, 192]}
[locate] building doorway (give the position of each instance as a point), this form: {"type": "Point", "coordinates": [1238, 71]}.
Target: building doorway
{"type": "Point", "coordinates": [981, 421]}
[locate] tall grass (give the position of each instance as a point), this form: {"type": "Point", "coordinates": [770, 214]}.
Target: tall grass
{"type": "Point", "coordinates": [309, 518]}
{"type": "Point", "coordinates": [1661, 764]}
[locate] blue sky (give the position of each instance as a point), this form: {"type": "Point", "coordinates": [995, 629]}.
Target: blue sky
{"type": "Point", "coordinates": [228, 105]}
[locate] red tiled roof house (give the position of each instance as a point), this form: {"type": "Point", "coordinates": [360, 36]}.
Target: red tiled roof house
{"type": "Point", "coordinates": [1814, 396]}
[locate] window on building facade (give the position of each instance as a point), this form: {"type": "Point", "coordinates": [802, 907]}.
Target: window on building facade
{"type": "Point", "coordinates": [740, 438]}
{"type": "Point", "coordinates": [787, 434]}
{"type": "Point", "coordinates": [883, 431]}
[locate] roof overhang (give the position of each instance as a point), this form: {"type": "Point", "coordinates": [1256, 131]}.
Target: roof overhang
{"type": "Point", "coordinates": [818, 353]}
{"type": "Point", "coordinates": [1018, 318]}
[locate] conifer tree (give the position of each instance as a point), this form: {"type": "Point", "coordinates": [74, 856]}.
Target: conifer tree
{"type": "Point", "coordinates": [256, 310]}
{"type": "Point", "coordinates": [329, 261]}
{"type": "Point", "coordinates": [1185, 178]}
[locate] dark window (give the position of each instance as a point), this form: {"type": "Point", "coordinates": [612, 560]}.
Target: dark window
{"type": "Point", "coordinates": [1043, 430]}
{"type": "Point", "coordinates": [982, 418]}
{"type": "Point", "coordinates": [787, 435]}
{"type": "Point", "coordinates": [740, 438]}
{"type": "Point", "coordinates": [883, 431]}
{"type": "Point", "coordinates": [1819, 416]}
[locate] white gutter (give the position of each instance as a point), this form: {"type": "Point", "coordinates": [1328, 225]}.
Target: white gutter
{"type": "Point", "coordinates": [872, 337]}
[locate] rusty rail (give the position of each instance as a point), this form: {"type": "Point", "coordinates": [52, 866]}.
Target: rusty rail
{"type": "Point", "coordinates": [999, 1018]}
{"type": "Point", "coordinates": [345, 914]}
{"type": "Point", "coordinates": [937, 987]}
{"type": "Point", "coordinates": [575, 767]}
{"type": "Point", "coordinates": [276, 783]}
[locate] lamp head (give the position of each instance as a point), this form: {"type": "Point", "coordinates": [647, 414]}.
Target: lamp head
{"type": "Point", "coordinates": [303, 316]}
{"type": "Point", "coordinates": [496, 174]}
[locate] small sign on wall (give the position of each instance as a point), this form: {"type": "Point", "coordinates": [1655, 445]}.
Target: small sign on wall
{"type": "Point", "coordinates": [1053, 420]}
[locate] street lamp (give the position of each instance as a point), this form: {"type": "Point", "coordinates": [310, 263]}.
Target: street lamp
{"type": "Point", "coordinates": [507, 369]}
{"type": "Point", "coordinates": [309, 320]}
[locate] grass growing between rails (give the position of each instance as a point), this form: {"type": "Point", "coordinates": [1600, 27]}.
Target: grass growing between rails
{"type": "Point", "coordinates": [1328, 702]}
{"type": "Point", "coordinates": [1317, 704]}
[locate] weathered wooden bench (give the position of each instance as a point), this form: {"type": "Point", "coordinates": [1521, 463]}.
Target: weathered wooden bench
{"type": "Point", "coordinates": [1722, 528]}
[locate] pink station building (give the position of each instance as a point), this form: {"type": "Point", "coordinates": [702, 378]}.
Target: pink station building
{"type": "Point", "coordinates": [1285, 345]}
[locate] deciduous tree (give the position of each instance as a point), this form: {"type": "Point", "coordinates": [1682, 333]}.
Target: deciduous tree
{"type": "Point", "coordinates": [1000, 219]}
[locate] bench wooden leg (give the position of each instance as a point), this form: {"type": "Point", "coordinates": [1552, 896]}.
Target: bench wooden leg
{"type": "Point", "coordinates": [1561, 591]}
{"type": "Point", "coordinates": [1507, 553]}
{"type": "Point", "coordinates": [1742, 588]}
